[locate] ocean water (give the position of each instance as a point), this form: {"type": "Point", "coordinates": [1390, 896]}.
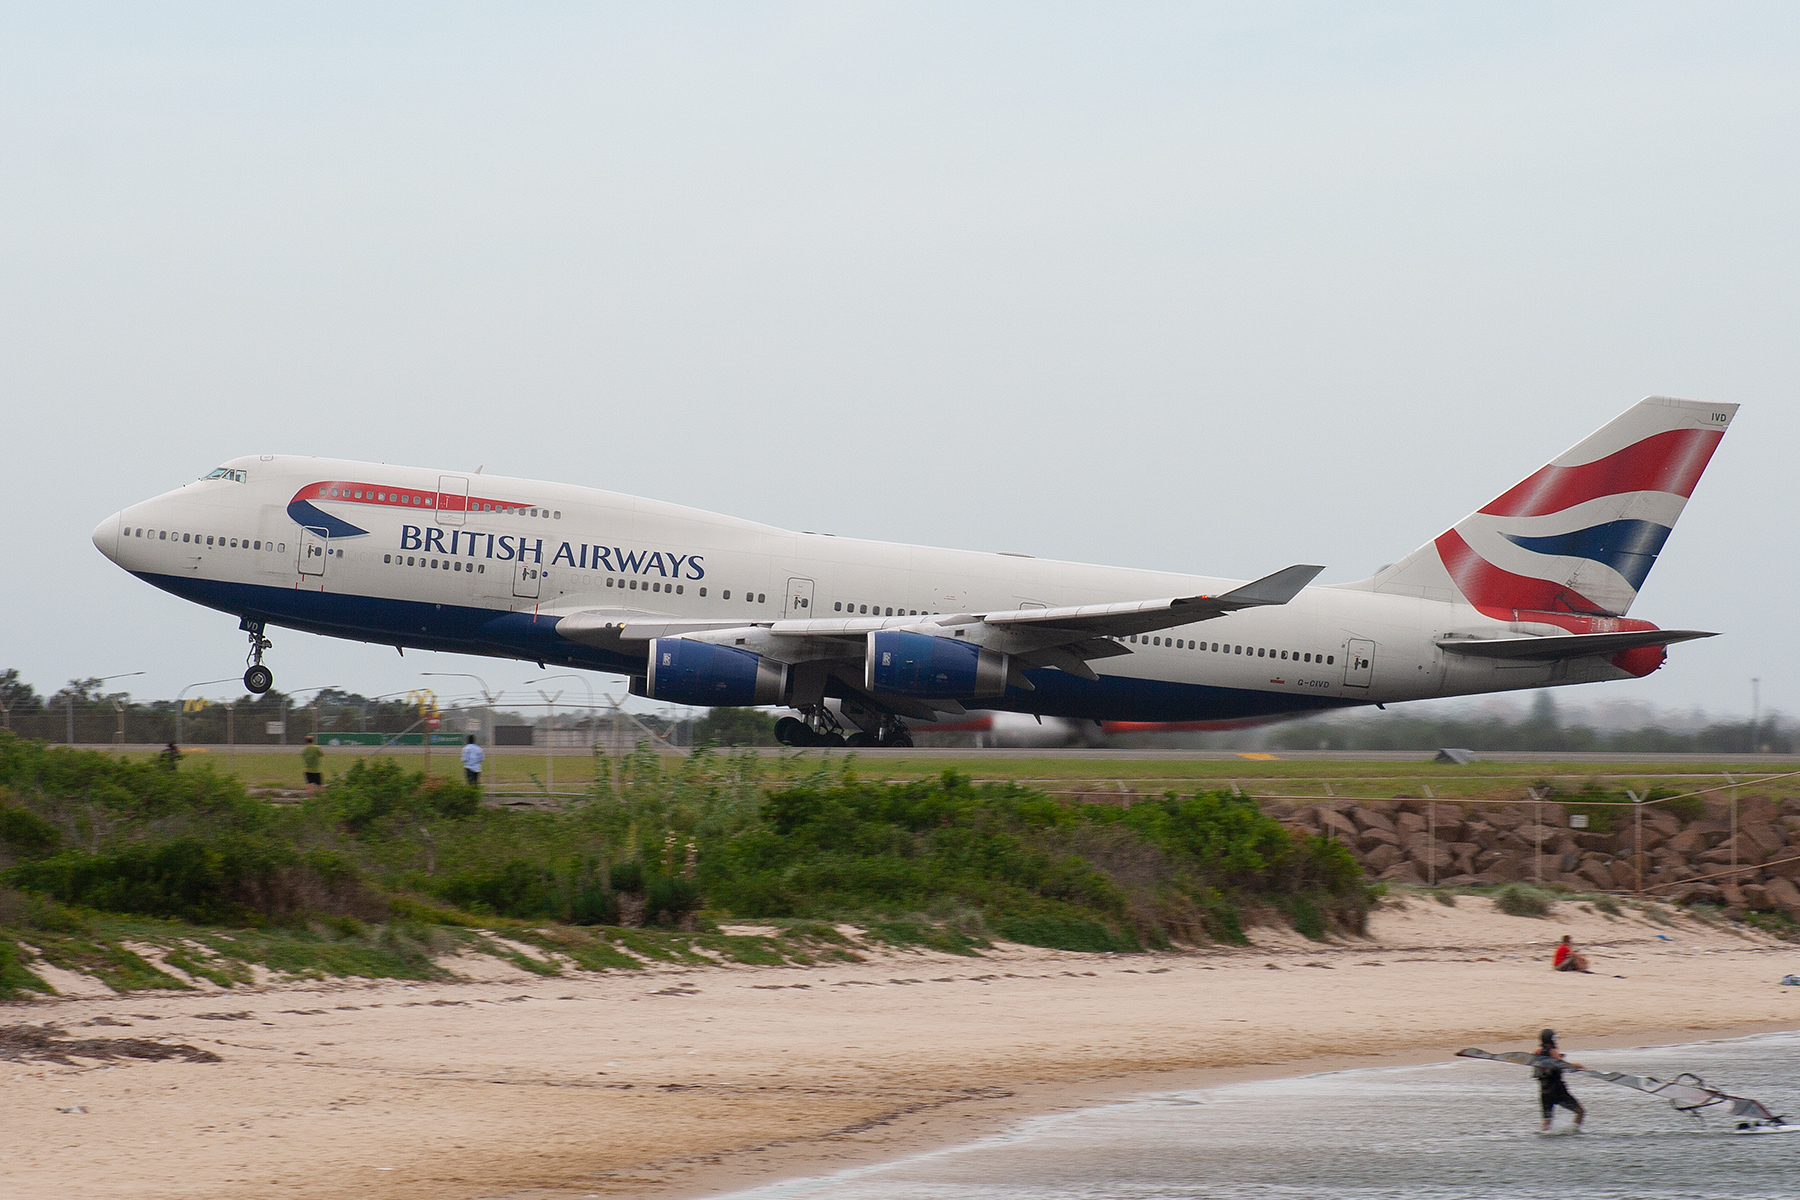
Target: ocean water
{"type": "Point", "coordinates": [1459, 1129]}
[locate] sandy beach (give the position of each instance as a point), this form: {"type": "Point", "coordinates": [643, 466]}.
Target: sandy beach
{"type": "Point", "coordinates": [690, 1081]}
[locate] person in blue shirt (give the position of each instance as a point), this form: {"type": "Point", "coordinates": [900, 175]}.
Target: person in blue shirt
{"type": "Point", "coordinates": [472, 757]}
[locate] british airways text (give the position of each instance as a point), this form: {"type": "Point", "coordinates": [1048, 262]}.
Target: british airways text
{"type": "Point", "coordinates": [505, 546]}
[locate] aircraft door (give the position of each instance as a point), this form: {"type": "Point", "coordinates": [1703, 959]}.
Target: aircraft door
{"type": "Point", "coordinates": [798, 605]}
{"type": "Point", "coordinates": [528, 579]}
{"type": "Point", "coordinates": [315, 548]}
{"type": "Point", "coordinates": [453, 500]}
{"type": "Point", "coordinates": [1359, 664]}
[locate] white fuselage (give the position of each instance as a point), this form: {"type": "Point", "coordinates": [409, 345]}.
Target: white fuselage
{"type": "Point", "coordinates": [492, 576]}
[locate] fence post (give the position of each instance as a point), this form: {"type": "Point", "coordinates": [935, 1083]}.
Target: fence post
{"type": "Point", "coordinates": [1537, 835]}
{"type": "Point", "coordinates": [1637, 859]}
{"type": "Point", "coordinates": [1734, 826]}
{"type": "Point", "coordinates": [1430, 838]}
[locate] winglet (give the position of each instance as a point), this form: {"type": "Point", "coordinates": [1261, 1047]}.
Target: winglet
{"type": "Point", "coordinates": [1278, 588]}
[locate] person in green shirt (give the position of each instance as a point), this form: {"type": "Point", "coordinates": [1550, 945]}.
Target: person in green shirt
{"type": "Point", "coordinates": [313, 759]}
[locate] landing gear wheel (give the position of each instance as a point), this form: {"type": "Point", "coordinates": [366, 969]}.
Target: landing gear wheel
{"type": "Point", "coordinates": [791, 731]}
{"type": "Point", "coordinates": [258, 679]}
{"type": "Point", "coordinates": [859, 739]}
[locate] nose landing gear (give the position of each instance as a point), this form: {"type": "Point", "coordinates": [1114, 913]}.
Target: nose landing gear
{"type": "Point", "coordinates": [258, 679]}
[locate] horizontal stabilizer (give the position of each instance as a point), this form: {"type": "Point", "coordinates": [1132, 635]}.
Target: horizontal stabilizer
{"type": "Point", "coordinates": [1573, 645]}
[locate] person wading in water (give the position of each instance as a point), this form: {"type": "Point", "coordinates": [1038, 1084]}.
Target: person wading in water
{"type": "Point", "coordinates": [1552, 1091]}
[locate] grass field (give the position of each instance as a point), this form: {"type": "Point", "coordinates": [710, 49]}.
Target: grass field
{"type": "Point", "coordinates": [567, 773]}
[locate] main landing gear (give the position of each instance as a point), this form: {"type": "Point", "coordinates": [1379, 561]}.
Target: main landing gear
{"type": "Point", "coordinates": [818, 726]}
{"type": "Point", "coordinates": [258, 679]}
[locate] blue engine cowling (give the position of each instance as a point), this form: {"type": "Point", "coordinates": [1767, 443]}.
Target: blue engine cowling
{"type": "Point", "coordinates": [688, 672]}
{"type": "Point", "coordinates": [918, 664]}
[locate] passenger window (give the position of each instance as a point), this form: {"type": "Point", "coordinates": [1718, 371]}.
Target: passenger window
{"type": "Point", "coordinates": [703, 593]}
{"type": "Point", "coordinates": [634, 585]}
{"type": "Point", "coordinates": [838, 607]}
{"type": "Point", "coordinates": [678, 589]}
{"type": "Point", "coordinates": [609, 581]}
{"type": "Point", "coordinates": [865, 608]}
{"type": "Point", "coordinates": [1330, 659]}
{"type": "Point", "coordinates": [726, 593]}
{"type": "Point", "coordinates": [481, 568]}
{"type": "Point", "coordinates": [559, 516]}
{"type": "Point", "coordinates": [387, 558]}
{"type": "Point", "coordinates": [890, 612]}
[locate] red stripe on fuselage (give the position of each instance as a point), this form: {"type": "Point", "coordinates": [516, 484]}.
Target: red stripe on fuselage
{"type": "Point", "coordinates": [1664, 462]}
{"type": "Point", "coordinates": [383, 496]}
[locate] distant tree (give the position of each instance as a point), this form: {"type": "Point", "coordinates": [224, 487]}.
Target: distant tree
{"type": "Point", "coordinates": [735, 727]}
{"type": "Point", "coordinates": [17, 696]}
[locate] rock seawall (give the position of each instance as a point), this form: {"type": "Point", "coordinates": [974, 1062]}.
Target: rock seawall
{"type": "Point", "coordinates": [1476, 843]}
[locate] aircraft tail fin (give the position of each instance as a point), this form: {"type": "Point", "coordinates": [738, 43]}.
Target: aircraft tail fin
{"type": "Point", "coordinates": [1579, 535]}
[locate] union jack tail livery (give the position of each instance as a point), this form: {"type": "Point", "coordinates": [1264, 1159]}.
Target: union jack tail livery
{"type": "Point", "coordinates": [1577, 537]}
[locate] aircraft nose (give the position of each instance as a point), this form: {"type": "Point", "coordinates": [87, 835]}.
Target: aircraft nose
{"type": "Point", "coordinates": [106, 537]}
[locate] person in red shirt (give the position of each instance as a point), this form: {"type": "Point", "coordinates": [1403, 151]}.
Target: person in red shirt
{"type": "Point", "coordinates": [1567, 958]}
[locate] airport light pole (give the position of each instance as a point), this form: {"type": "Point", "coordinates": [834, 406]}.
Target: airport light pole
{"type": "Point", "coordinates": [550, 737]}
{"type": "Point", "coordinates": [71, 704]}
{"type": "Point", "coordinates": [582, 680]}
{"type": "Point", "coordinates": [182, 694]}
{"type": "Point", "coordinates": [298, 691]}
{"type": "Point", "coordinates": [492, 698]}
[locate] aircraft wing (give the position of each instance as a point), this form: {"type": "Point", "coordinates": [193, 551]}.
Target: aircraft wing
{"type": "Point", "coordinates": [1574, 645]}
{"type": "Point", "coordinates": [1065, 638]}
{"type": "Point", "coordinates": [1143, 616]}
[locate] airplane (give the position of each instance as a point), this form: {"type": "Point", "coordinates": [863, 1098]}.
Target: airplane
{"type": "Point", "coordinates": [1529, 591]}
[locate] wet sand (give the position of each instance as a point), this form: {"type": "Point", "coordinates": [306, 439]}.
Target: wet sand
{"type": "Point", "coordinates": [684, 1082]}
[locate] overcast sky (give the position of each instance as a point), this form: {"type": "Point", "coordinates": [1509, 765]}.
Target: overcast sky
{"type": "Point", "coordinates": [1211, 288]}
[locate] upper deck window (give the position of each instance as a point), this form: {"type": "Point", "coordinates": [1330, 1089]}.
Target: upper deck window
{"type": "Point", "coordinates": [225, 473]}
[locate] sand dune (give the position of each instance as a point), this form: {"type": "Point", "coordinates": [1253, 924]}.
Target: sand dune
{"type": "Point", "coordinates": [684, 1081]}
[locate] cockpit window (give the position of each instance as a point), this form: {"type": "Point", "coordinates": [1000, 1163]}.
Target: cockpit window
{"type": "Point", "coordinates": [225, 473]}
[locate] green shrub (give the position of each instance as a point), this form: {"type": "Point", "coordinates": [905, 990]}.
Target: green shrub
{"type": "Point", "coordinates": [669, 898]}
{"type": "Point", "coordinates": [25, 833]}
{"type": "Point", "coordinates": [1519, 900]}
{"type": "Point", "coordinates": [1308, 920]}
{"type": "Point", "coordinates": [627, 877]}
{"type": "Point", "coordinates": [517, 888]}
{"type": "Point", "coordinates": [591, 901]}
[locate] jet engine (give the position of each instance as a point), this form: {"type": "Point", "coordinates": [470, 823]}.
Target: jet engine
{"type": "Point", "coordinates": [688, 672]}
{"type": "Point", "coordinates": [918, 664]}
